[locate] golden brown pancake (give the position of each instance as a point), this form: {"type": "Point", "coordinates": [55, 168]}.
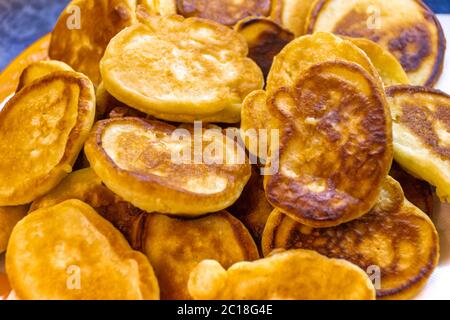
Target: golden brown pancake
{"type": "Point", "coordinates": [227, 12]}
{"type": "Point", "coordinates": [265, 39]}
{"type": "Point", "coordinates": [40, 69]}
{"type": "Point", "coordinates": [175, 246]}
{"type": "Point", "coordinates": [418, 192]}
{"type": "Point", "coordinates": [293, 275]}
{"type": "Point", "coordinates": [205, 70]}
{"type": "Point", "coordinates": [156, 168]}
{"type": "Point", "coordinates": [252, 208]}
{"type": "Point", "coordinates": [390, 70]}
{"type": "Point", "coordinates": [293, 15]}
{"type": "Point", "coordinates": [70, 252]}
{"type": "Point", "coordinates": [421, 122]}
{"type": "Point", "coordinates": [9, 216]}
{"type": "Point", "coordinates": [42, 130]}
{"type": "Point", "coordinates": [395, 237]}
{"type": "Point", "coordinates": [304, 52]}
{"type": "Point", "coordinates": [157, 7]}
{"type": "Point", "coordinates": [415, 38]}
{"type": "Point", "coordinates": [335, 146]}
{"type": "Point", "coordinates": [84, 30]}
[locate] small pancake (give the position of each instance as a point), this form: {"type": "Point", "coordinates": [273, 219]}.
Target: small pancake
{"type": "Point", "coordinates": [304, 52]}
{"type": "Point", "coordinates": [415, 38]}
{"type": "Point", "coordinates": [418, 192]}
{"type": "Point", "coordinates": [9, 216]}
{"type": "Point", "coordinates": [205, 69]}
{"type": "Point", "coordinates": [395, 236]}
{"type": "Point", "coordinates": [81, 44]}
{"type": "Point", "coordinates": [387, 65]}
{"type": "Point", "coordinates": [252, 208]}
{"type": "Point", "coordinates": [42, 130]}
{"type": "Point", "coordinates": [175, 246]}
{"type": "Point", "coordinates": [290, 275]}
{"type": "Point", "coordinates": [227, 12]}
{"type": "Point", "coordinates": [52, 244]}
{"type": "Point", "coordinates": [336, 145]}
{"type": "Point", "coordinates": [265, 39]}
{"type": "Point", "coordinates": [148, 165]}
{"type": "Point", "coordinates": [294, 14]}
{"type": "Point", "coordinates": [40, 69]}
{"type": "Point", "coordinates": [421, 122]}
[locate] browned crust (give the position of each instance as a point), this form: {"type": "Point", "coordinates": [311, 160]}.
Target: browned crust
{"type": "Point", "coordinates": [442, 42]}
{"type": "Point", "coordinates": [86, 110]}
{"type": "Point", "coordinates": [409, 89]}
{"type": "Point", "coordinates": [149, 182]}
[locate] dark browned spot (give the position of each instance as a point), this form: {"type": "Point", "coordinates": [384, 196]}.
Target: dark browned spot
{"type": "Point", "coordinates": [354, 24]}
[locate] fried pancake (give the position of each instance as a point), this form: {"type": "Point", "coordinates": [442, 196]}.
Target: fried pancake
{"type": "Point", "coordinates": [53, 246]}
{"type": "Point", "coordinates": [252, 208]}
{"type": "Point", "coordinates": [39, 70]}
{"type": "Point", "coordinates": [418, 192]}
{"type": "Point", "coordinates": [265, 39]}
{"type": "Point", "coordinates": [205, 70]}
{"type": "Point", "coordinates": [227, 12]}
{"type": "Point", "coordinates": [138, 161]}
{"type": "Point", "coordinates": [296, 275]}
{"type": "Point", "coordinates": [9, 216]}
{"type": "Point", "coordinates": [175, 246]}
{"type": "Point", "coordinates": [304, 52]}
{"type": "Point", "coordinates": [294, 15]}
{"type": "Point", "coordinates": [395, 236]}
{"type": "Point", "coordinates": [387, 65]}
{"type": "Point", "coordinates": [84, 30]}
{"type": "Point", "coordinates": [159, 7]}
{"type": "Point", "coordinates": [42, 130]}
{"type": "Point", "coordinates": [421, 121]}
{"type": "Point", "coordinates": [415, 38]}
{"type": "Point", "coordinates": [336, 145]}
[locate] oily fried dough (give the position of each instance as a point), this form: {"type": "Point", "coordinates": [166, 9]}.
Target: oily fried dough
{"type": "Point", "coordinates": [40, 69]}
{"type": "Point", "coordinates": [421, 124]}
{"type": "Point", "coordinates": [42, 130]}
{"type": "Point", "coordinates": [265, 39]}
{"type": "Point", "coordinates": [175, 246]}
{"type": "Point", "coordinates": [336, 145]}
{"type": "Point", "coordinates": [175, 66]}
{"type": "Point", "coordinates": [296, 274]}
{"type": "Point", "coordinates": [415, 38]}
{"type": "Point", "coordinates": [395, 237]}
{"type": "Point", "coordinates": [84, 30]}
{"type": "Point", "coordinates": [252, 208]}
{"type": "Point", "coordinates": [156, 168]}
{"type": "Point", "coordinates": [390, 70]}
{"type": "Point", "coordinates": [304, 52]}
{"type": "Point", "coordinates": [53, 246]}
{"type": "Point", "coordinates": [9, 216]}
{"type": "Point", "coordinates": [293, 15]}
{"type": "Point", "coordinates": [418, 192]}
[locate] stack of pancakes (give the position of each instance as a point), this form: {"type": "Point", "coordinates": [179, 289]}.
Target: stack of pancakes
{"type": "Point", "coordinates": [104, 194]}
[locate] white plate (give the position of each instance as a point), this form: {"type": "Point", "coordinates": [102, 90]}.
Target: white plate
{"type": "Point", "coordinates": [438, 288]}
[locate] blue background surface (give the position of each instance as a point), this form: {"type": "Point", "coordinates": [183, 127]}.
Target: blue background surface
{"type": "Point", "coordinates": [24, 21]}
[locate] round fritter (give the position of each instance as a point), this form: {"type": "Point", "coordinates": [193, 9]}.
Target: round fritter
{"type": "Point", "coordinates": [227, 12]}
{"type": "Point", "coordinates": [42, 130]}
{"type": "Point", "coordinates": [252, 208]}
{"type": "Point", "coordinates": [265, 39]}
{"type": "Point", "coordinates": [175, 246]}
{"type": "Point", "coordinates": [395, 236]}
{"type": "Point", "coordinates": [158, 168]}
{"type": "Point", "coordinates": [421, 122]}
{"type": "Point", "coordinates": [293, 14]}
{"type": "Point", "coordinates": [84, 30]}
{"type": "Point", "coordinates": [9, 216]}
{"type": "Point", "coordinates": [70, 252]}
{"type": "Point", "coordinates": [415, 38]}
{"type": "Point", "coordinates": [177, 66]}
{"type": "Point", "coordinates": [291, 275]}
{"type": "Point", "coordinates": [40, 69]}
{"type": "Point", "coordinates": [390, 70]}
{"type": "Point", "coordinates": [418, 192]}
{"type": "Point", "coordinates": [304, 52]}
{"type": "Point", "coordinates": [336, 145]}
